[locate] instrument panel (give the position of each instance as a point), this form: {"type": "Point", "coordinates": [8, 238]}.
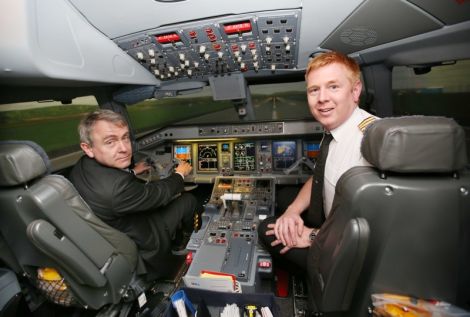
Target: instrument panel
{"type": "Point", "coordinates": [286, 150]}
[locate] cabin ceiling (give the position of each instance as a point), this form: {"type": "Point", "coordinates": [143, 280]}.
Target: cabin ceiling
{"type": "Point", "coordinates": [84, 43]}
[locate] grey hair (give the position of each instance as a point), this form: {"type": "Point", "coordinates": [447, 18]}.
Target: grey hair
{"type": "Point", "coordinates": [86, 124]}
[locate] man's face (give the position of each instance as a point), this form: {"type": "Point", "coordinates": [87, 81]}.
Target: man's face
{"type": "Point", "coordinates": [331, 96]}
{"type": "Point", "coordinates": [111, 145]}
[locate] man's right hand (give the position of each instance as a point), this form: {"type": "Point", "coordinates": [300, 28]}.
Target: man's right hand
{"type": "Point", "coordinates": [184, 168]}
{"type": "Point", "coordinates": [288, 228]}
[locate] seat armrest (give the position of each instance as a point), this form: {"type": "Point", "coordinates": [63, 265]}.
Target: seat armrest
{"type": "Point", "coordinates": [45, 236]}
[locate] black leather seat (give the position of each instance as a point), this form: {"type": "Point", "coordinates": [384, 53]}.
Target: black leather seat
{"type": "Point", "coordinates": [46, 224]}
{"type": "Point", "coordinates": [415, 205]}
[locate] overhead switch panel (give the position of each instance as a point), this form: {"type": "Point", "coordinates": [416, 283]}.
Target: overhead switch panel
{"type": "Point", "coordinates": [251, 44]}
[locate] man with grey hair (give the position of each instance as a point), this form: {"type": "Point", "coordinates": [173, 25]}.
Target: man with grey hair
{"type": "Point", "coordinates": [147, 212]}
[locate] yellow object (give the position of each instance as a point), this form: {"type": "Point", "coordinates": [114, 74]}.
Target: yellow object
{"type": "Point", "coordinates": [250, 310]}
{"type": "Point", "coordinates": [49, 278]}
{"type": "Point", "coordinates": [49, 274]}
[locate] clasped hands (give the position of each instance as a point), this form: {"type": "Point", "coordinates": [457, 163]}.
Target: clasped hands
{"type": "Point", "coordinates": [290, 231]}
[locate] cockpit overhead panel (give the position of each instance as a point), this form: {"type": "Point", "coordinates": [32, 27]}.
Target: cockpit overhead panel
{"type": "Point", "coordinates": [250, 43]}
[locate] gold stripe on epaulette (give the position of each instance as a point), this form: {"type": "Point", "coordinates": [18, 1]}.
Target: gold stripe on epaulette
{"type": "Point", "coordinates": [365, 123]}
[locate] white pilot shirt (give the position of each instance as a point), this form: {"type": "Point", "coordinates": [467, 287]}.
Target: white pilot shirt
{"type": "Point", "coordinates": [344, 152]}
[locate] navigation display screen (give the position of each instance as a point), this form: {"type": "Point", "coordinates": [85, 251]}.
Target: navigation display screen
{"type": "Point", "coordinates": [244, 156]}
{"type": "Point", "coordinates": [207, 157]}
{"type": "Point", "coordinates": [284, 154]}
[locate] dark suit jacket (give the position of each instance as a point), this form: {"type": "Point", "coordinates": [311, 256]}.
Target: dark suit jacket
{"type": "Point", "coordinates": [124, 201]}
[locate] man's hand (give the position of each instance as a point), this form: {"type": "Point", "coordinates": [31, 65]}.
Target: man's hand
{"type": "Point", "coordinates": [287, 229]}
{"type": "Point", "coordinates": [303, 241]}
{"type": "Point", "coordinates": [184, 168]}
{"type": "Point", "coordinates": [141, 167]}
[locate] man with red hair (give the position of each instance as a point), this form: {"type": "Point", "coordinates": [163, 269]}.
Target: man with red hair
{"type": "Point", "coordinates": [333, 90]}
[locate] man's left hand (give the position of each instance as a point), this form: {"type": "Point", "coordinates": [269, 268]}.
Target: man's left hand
{"type": "Point", "coordinates": [303, 240]}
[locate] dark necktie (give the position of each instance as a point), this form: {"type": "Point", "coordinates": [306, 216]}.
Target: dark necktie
{"type": "Point", "coordinates": [316, 214]}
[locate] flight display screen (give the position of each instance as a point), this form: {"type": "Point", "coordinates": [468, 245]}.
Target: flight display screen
{"type": "Point", "coordinates": [311, 150]}
{"type": "Point", "coordinates": [183, 153]}
{"type": "Point", "coordinates": [284, 154]}
{"type": "Point", "coordinates": [207, 157]}
{"type": "Point", "coordinates": [244, 157]}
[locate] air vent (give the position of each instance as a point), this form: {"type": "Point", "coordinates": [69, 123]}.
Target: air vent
{"type": "Point", "coordinates": [359, 36]}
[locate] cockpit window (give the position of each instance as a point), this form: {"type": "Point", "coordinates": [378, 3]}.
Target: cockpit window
{"type": "Point", "coordinates": [51, 124]}
{"type": "Point", "coordinates": [285, 101]}
{"type": "Point", "coordinates": [444, 91]}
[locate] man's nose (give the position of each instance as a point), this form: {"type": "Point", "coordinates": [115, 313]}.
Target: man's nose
{"type": "Point", "coordinates": [322, 95]}
{"type": "Point", "coordinates": [123, 146]}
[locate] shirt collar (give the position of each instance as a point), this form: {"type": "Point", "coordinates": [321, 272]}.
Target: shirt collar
{"type": "Point", "coordinates": [342, 132]}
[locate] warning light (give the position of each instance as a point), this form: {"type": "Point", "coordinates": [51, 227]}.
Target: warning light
{"type": "Point", "coordinates": [240, 27]}
{"type": "Point", "coordinates": [168, 38]}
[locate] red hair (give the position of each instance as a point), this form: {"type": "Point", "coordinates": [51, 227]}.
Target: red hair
{"type": "Point", "coordinates": [328, 58]}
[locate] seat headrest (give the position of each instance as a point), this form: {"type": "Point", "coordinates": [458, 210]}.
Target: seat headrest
{"type": "Point", "coordinates": [21, 161]}
{"type": "Point", "coordinates": [415, 144]}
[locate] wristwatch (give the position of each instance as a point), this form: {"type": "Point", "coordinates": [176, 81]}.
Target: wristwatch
{"type": "Point", "coordinates": [313, 234]}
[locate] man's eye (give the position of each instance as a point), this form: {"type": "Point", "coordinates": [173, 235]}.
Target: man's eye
{"type": "Point", "coordinates": [334, 87]}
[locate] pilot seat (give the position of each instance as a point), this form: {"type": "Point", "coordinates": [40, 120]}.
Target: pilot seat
{"type": "Point", "coordinates": [400, 226]}
{"type": "Point", "coordinates": [55, 240]}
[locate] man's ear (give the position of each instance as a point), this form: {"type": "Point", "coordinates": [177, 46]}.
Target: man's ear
{"type": "Point", "coordinates": [87, 149]}
{"type": "Point", "coordinates": [357, 89]}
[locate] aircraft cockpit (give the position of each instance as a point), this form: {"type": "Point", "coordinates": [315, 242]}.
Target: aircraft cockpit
{"type": "Point", "coordinates": [222, 85]}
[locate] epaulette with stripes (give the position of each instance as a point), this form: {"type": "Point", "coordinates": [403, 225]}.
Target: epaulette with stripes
{"type": "Point", "coordinates": [365, 123]}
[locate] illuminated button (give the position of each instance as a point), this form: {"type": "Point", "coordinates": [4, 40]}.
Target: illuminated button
{"type": "Point", "coordinates": [206, 56]}
{"type": "Point", "coordinates": [243, 47]}
{"type": "Point", "coordinates": [287, 47]}
{"type": "Point", "coordinates": [285, 39]}
{"type": "Point", "coordinates": [196, 64]}
{"type": "Point", "coordinates": [202, 49]}
{"type": "Point", "coordinates": [268, 40]}
{"type": "Point", "coordinates": [156, 72]}
{"type": "Point", "coordinates": [152, 61]}
{"type": "Point", "coordinates": [140, 55]}
{"type": "Point", "coordinates": [273, 67]}
{"type": "Point", "coordinates": [181, 56]}
{"type": "Point", "coordinates": [151, 53]}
